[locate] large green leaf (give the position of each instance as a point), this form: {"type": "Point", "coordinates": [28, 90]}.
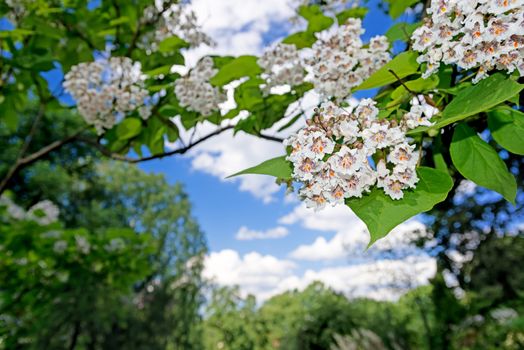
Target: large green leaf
{"type": "Point", "coordinates": [278, 167]}
{"type": "Point", "coordinates": [171, 44]}
{"type": "Point", "coordinates": [242, 66]}
{"type": "Point", "coordinates": [398, 7]}
{"type": "Point", "coordinates": [128, 128]}
{"type": "Point", "coordinates": [317, 21]}
{"type": "Point", "coordinates": [403, 65]}
{"type": "Point", "coordinates": [356, 12]}
{"type": "Point", "coordinates": [381, 214]}
{"type": "Point", "coordinates": [479, 98]}
{"type": "Point", "coordinates": [507, 127]}
{"type": "Point", "coordinates": [301, 39]}
{"type": "Point", "coordinates": [479, 162]}
{"type": "Point", "coordinates": [401, 31]}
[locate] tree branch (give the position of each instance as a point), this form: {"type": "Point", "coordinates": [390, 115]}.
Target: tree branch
{"type": "Point", "coordinates": [181, 150]}
{"type": "Point", "coordinates": [25, 161]}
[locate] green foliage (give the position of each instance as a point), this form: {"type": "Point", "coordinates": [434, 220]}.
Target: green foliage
{"type": "Point", "coordinates": [479, 162]}
{"type": "Point", "coordinates": [243, 66]}
{"type": "Point", "coordinates": [479, 98]}
{"type": "Point", "coordinates": [401, 31]}
{"type": "Point", "coordinates": [356, 12]}
{"type": "Point", "coordinates": [381, 213]}
{"type": "Point", "coordinates": [128, 128]}
{"type": "Point", "coordinates": [507, 127]}
{"type": "Point", "coordinates": [398, 7]}
{"type": "Point", "coordinates": [317, 22]}
{"type": "Point", "coordinates": [278, 167]}
{"type": "Point", "coordinates": [403, 65]}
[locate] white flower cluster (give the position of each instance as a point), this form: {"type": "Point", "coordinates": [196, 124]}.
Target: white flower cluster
{"type": "Point", "coordinates": [43, 213]}
{"type": "Point", "coordinates": [333, 155]}
{"type": "Point", "coordinates": [340, 61]}
{"type": "Point", "coordinates": [282, 65]}
{"type": "Point", "coordinates": [171, 20]}
{"type": "Point", "coordinates": [483, 34]}
{"type": "Point", "coordinates": [106, 90]}
{"type": "Point", "coordinates": [195, 92]}
{"type": "Point", "coordinates": [17, 8]}
{"type": "Point", "coordinates": [82, 244]}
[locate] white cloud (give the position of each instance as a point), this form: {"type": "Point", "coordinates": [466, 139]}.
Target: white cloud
{"type": "Point", "coordinates": [246, 234]}
{"type": "Point", "coordinates": [351, 238]}
{"type": "Point", "coordinates": [256, 274]}
{"type": "Point", "coordinates": [265, 276]}
{"type": "Point", "coordinates": [381, 280]}
{"type": "Point", "coordinates": [238, 26]}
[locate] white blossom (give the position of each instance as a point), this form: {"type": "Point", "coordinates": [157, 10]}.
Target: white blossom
{"type": "Point", "coordinates": [106, 90]}
{"type": "Point", "coordinates": [282, 65]}
{"type": "Point", "coordinates": [171, 20]}
{"type": "Point", "coordinates": [331, 155]}
{"type": "Point", "coordinates": [115, 245]}
{"type": "Point", "coordinates": [476, 34]}
{"type": "Point", "coordinates": [340, 61]}
{"type": "Point", "coordinates": [60, 247]}
{"type": "Point", "coordinates": [44, 212]}
{"type": "Point", "coordinates": [82, 244]}
{"type": "Point", "coordinates": [195, 92]}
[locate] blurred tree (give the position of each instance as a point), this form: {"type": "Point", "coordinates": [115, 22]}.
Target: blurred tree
{"type": "Point", "coordinates": [160, 307]}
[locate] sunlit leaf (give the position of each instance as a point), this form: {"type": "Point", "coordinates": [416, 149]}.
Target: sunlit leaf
{"type": "Point", "coordinates": [479, 162]}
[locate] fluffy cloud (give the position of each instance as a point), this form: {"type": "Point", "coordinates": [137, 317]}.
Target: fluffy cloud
{"type": "Point", "coordinates": [265, 276]}
{"type": "Point", "coordinates": [256, 274]}
{"type": "Point", "coordinates": [246, 234]}
{"type": "Point", "coordinates": [238, 26]}
{"type": "Point", "coordinates": [351, 238]}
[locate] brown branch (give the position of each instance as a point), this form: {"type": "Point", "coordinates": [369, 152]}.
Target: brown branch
{"type": "Point", "coordinates": [25, 161]}
{"type": "Point", "coordinates": [182, 150]}
{"type": "Point", "coordinates": [271, 138]}
{"type": "Point", "coordinates": [401, 82]}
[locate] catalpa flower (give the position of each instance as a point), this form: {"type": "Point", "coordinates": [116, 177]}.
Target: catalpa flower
{"type": "Point", "coordinates": [476, 34]}
{"type": "Point", "coordinates": [335, 166]}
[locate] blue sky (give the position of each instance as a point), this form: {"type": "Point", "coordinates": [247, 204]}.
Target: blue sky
{"type": "Point", "coordinates": [327, 245]}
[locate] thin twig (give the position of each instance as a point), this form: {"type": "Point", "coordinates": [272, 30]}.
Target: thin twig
{"type": "Point", "coordinates": [401, 82]}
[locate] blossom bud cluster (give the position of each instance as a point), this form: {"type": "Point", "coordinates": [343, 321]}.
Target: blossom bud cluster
{"type": "Point", "coordinates": [282, 65]}
{"type": "Point", "coordinates": [195, 92]}
{"type": "Point", "coordinates": [171, 20]}
{"type": "Point", "coordinates": [43, 213]}
{"type": "Point", "coordinates": [107, 89]}
{"type": "Point", "coordinates": [483, 34]}
{"type": "Point", "coordinates": [340, 61]}
{"type": "Point", "coordinates": [342, 155]}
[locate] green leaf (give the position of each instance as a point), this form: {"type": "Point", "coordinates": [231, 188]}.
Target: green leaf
{"type": "Point", "coordinates": [128, 128]}
{"type": "Point", "coordinates": [242, 66]}
{"type": "Point", "coordinates": [507, 127]}
{"type": "Point", "coordinates": [357, 12]}
{"type": "Point", "coordinates": [381, 214]}
{"type": "Point", "coordinates": [398, 7]}
{"type": "Point", "coordinates": [417, 85]}
{"type": "Point", "coordinates": [401, 31]}
{"type": "Point", "coordinates": [163, 70]}
{"type": "Point", "coordinates": [478, 98]}
{"type": "Point", "coordinates": [278, 167]}
{"type": "Point", "coordinates": [438, 157]}
{"type": "Point", "coordinates": [403, 65]}
{"type": "Point", "coordinates": [317, 21]}
{"type": "Point", "coordinates": [301, 39]}
{"type": "Point", "coordinates": [479, 162]}
{"type": "Point", "coordinates": [171, 44]}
